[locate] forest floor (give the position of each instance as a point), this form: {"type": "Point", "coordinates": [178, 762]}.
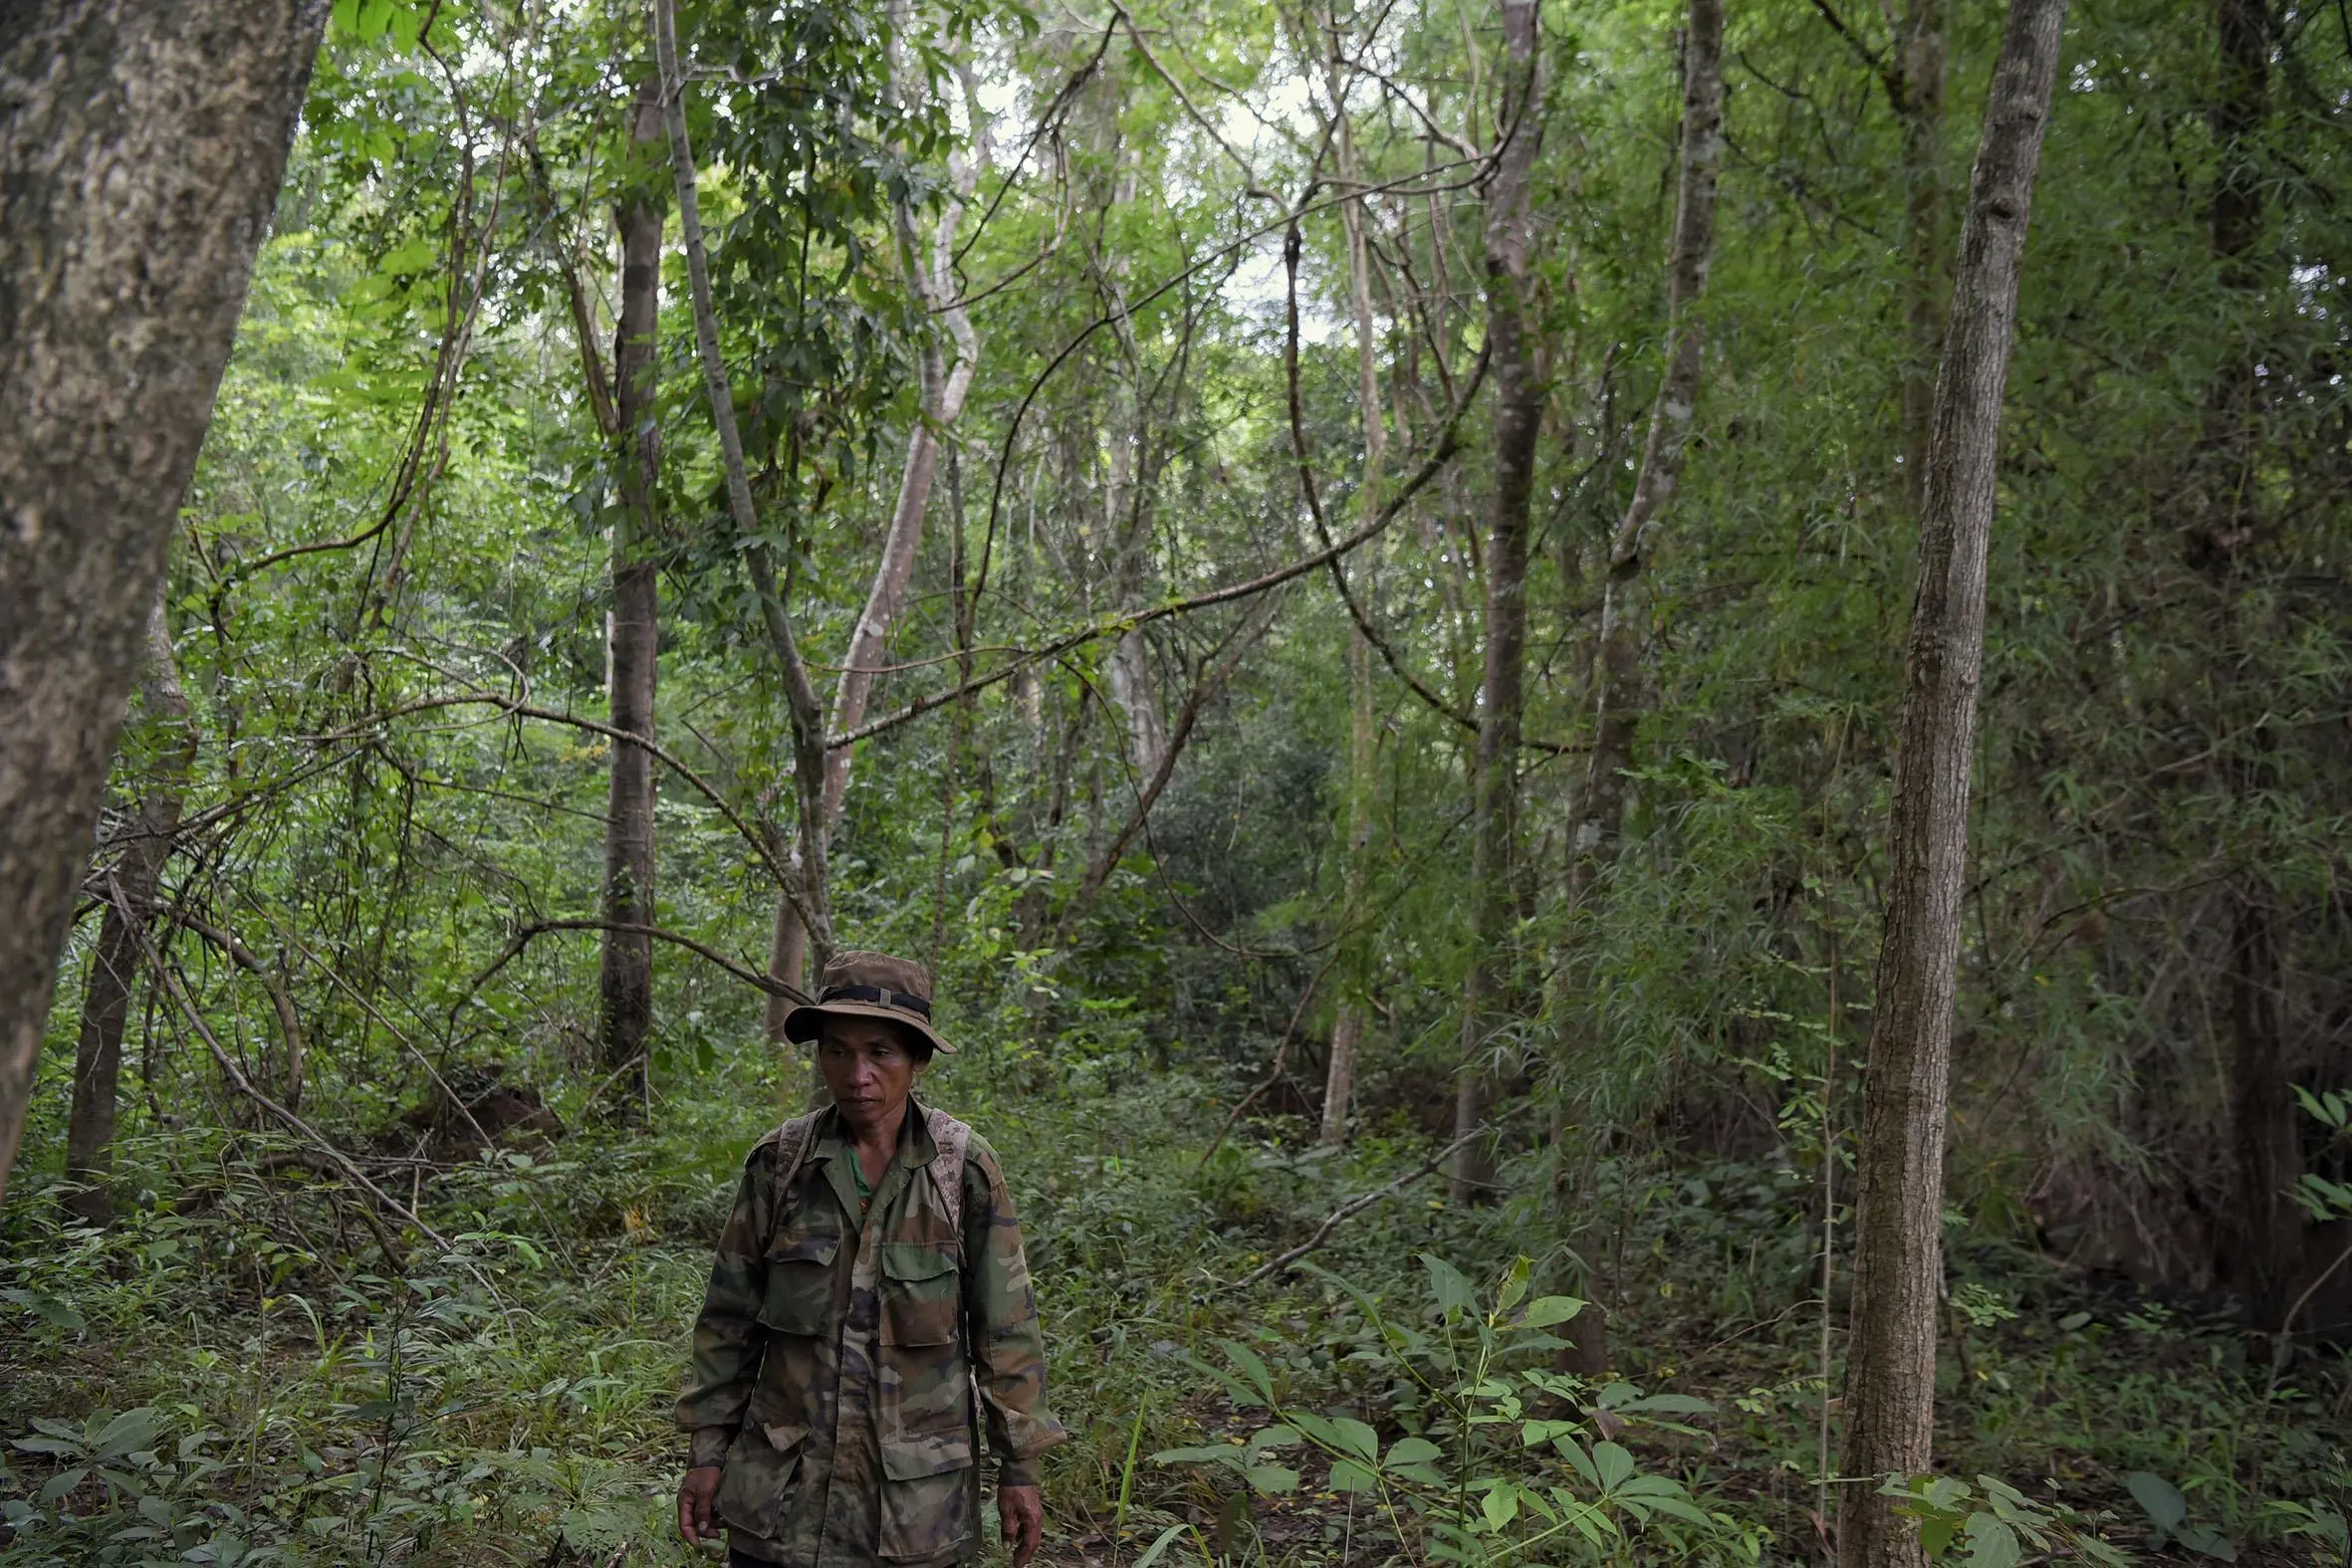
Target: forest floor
{"type": "Point", "coordinates": [234, 1376]}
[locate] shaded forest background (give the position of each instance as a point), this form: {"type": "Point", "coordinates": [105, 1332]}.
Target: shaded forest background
{"type": "Point", "coordinates": [508, 748]}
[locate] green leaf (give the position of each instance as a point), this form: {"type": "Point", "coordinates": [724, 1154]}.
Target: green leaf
{"type": "Point", "coordinates": [128, 1433]}
{"type": "Point", "coordinates": [1209, 1454]}
{"type": "Point", "coordinates": [1251, 1367]}
{"type": "Point", "coordinates": [1544, 1311]}
{"type": "Point", "coordinates": [1414, 1450]}
{"type": "Point", "coordinates": [47, 1308]}
{"type": "Point", "coordinates": [1515, 1286]}
{"type": "Point", "coordinates": [1272, 1478]}
{"type": "Point", "coordinates": [1574, 1454]}
{"type": "Point", "coordinates": [1499, 1507]}
{"type": "Point", "coordinates": [1453, 1292]}
{"type": "Point", "coordinates": [1612, 1462]}
{"type": "Point", "coordinates": [1667, 1405]}
{"type": "Point", "coordinates": [2160, 1498]}
{"type": "Point", "coordinates": [62, 1482]}
{"type": "Point", "coordinates": [1151, 1554]}
{"type": "Point", "coordinates": [1356, 1438]}
{"type": "Point", "coordinates": [1348, 1476]}
{"type": "Point", "coordinates": [2208, 1543]}
{"type": "Point", "coordinates": [1992, 1543]}
{"type": "Point", "coordinates": [1532, 1433]}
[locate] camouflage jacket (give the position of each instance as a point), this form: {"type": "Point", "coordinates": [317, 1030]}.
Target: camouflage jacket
{"type": "Point", "coordinates": [836, 1359]}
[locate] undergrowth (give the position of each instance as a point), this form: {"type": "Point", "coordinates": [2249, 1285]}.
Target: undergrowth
{"type": "Point", "coordinates": [242, 1371]}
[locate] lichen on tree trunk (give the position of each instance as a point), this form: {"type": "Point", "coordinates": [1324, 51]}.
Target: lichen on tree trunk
{"type": "Point", "coordinates": [141, 152]}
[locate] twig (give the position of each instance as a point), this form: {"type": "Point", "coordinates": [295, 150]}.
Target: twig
{"type": "Point", "coordinates": [244, 1086]}
{"type": "Point", "coordinates": [1352, 1208]}
{"type": "Point", "coordinates": [1281, 1053]}
{"type": "Point", "coordinates": [522, 939]}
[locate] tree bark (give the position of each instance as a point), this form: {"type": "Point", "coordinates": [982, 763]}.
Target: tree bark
{"type": "Point", "coordinates": [131, 907]}
{"type": "Point", "coordinates": [1350, 1014]}
{"type": "Point", "coordinates": [1898, 1261]}
{"type": "Point", "coordinates": [1617, 686]}
{"type": "Point", "coordinates": [626, 970]}
{"type": "Point", "coordinates": [1919, 107]}
{"type": "Point", "coordinates": [140, 151]}
{"type": "Point", "coordinates": [2266, 1234]}
{"type": "Point", "coordinates": [1518, 417]}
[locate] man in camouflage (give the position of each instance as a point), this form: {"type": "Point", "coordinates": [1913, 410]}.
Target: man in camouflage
{"type": "Point", "coordinates": [868, 1287]}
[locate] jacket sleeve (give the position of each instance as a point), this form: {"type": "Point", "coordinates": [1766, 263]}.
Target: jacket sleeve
{"type": "Point", "coordinates": [727, 1335]}
{"type": "Point", "coordinates": [1001, 1317]}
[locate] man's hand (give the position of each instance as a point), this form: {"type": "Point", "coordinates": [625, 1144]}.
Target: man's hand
{"type": "Point", "coordinates": [694, 1505]}
{"type": "Point", "coordinates": [1023, 1516]}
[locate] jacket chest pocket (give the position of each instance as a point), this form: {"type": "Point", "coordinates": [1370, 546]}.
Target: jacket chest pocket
{"type": "Point", "coordinates": [800, 1294]}
{"type": "Point", "coordinates": [926, 1386]}
{"type": "Point", "coordinates": [922, 1294]}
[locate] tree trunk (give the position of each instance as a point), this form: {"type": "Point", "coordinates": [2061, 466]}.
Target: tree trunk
{"type": "Point", "coordinates": [1617, 699]}
{"type": "Point", "coordinates": [1352, 1013]}
{"type": "Point", "coordinates": [131, 906]}
{"type": "Point", "coordinates": [140, 151]}
{"type": "Point", "coordinates": [806, 880]}
{"type": "Point", "coordinates": [2265, 1235]}
{"type": "Point", "coordinates": [944, 387]}
{"type": "Point", "coordinates": [625, 974]}
{"type": "Point", "coordinates": [1518, 417]}
{"type": "Point", "coordinates": [1898, 1261]}
{"type": "Point", "coordinates": [1919, 107]}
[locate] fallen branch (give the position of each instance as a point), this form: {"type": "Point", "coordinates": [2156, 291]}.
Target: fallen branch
{"type": "Point", "coordinates": [1352, 1208]}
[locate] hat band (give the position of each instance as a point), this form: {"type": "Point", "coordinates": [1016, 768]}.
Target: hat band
{"type": "Point", "coordinates": [889, 998]}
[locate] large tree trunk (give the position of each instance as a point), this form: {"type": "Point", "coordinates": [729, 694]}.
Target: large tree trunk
{"type": "Point", "coordinates": [131, 906]}
{"type": "Point", "coordinates": [1617, 683]}
{"type": "Point", "coordinates": [1518, 417]}
{"type": "Point", "coordinates": [1898, 1264]}
{"type": "Point", "coordinates": [140, 150]}
{"type": "Point", "coordinates": [2261, 1249]}
{"type": "Point", "coordinates": [625, 974]}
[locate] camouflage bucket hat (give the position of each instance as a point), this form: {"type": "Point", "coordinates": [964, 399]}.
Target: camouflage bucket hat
{"type": "Point", "coordinates": [868, 986]}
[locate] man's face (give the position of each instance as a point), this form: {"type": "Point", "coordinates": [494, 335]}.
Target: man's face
{"type": "Point", "coordinates": [870, 1069]}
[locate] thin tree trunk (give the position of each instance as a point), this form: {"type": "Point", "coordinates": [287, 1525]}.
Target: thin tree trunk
{"type": "Point", "coordinates": [140, 151]}
{"type": "Point", "coordinates": [1617, 698]}
{"type": "Point", "coordinates": [805, 879]}
{"type": "Point", "coordinates": [2265, 1235]}
{"type": "Point", "coordinates": [944, 387]}
{"type": "Point", "coordinates": [1351, 1015]}
{"type": "Point", "coordinates": [1518, 417]}
{"type": "Point", "coordinates": [1897, 1259]}
{"type": "Point", "coordinates": [1919, 107]}
{"type": "Point", "coordinates": [131, 906]}
{"type": "Point", "coordinates": [625, 973]}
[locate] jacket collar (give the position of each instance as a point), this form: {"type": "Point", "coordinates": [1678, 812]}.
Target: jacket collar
{"type": "Point", "coordinates": [915, 1143]}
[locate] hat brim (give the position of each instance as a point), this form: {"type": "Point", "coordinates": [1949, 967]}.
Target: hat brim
{"type": "Point", "coordinates": [801, 1025]}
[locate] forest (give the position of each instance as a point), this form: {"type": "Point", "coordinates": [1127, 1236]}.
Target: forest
{"type": "Point", "coordinates": [1619, 733]}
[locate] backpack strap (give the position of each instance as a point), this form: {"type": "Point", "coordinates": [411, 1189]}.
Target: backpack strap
{"type": "Point", "coordinates": [954, 1141]}
{"type": "Point", "coordinates": [793, 1141]}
